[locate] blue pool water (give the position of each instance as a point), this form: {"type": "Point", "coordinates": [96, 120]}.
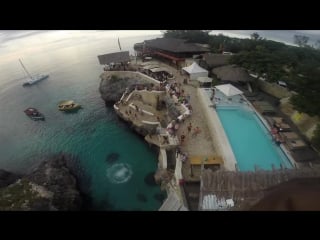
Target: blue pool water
{"type": "Point", "coordinates": [251, 143]}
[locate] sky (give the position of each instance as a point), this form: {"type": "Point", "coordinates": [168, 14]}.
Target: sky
{"type": "Point", "coordinates": [285, 36]}
{"type": "Point", "coordinates": [17, 43]}
{"type": "Point", "coordinates": [8, 35]}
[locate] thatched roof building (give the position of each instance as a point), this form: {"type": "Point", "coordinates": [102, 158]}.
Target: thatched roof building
{"type": "Point", "coordinates": [232, 73]}
{"type": "Point", "coordinates": [216, 60]}
{"type": "Point", "coordinates": [174, 45]}
{"type": "Point", "coordinates": [171, 49]}
{"type": "Point", "coordinates": [244, 188]}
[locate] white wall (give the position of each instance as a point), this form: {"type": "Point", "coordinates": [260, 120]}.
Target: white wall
{"type": "Point", "coordinates": [194, 76]}
{"type": "Point", "coordinates": [217, 132]}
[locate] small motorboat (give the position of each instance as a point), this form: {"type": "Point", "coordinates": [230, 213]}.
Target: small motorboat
{"type": "Point", "coordinates": [68, 106]}
{"type": "Point", "coordinates": [34, 114]}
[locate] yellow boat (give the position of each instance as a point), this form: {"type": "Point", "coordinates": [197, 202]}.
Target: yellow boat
{"type": "Point", "coordinates": [68, 105]}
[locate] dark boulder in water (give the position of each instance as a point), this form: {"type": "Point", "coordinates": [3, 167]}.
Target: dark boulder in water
{"type": "Point", "coordinates": [159, 197]}
{"type": "Point", "coordinates": [112, 158]}
{"type": "Point", "coordinates": [141, 197]}
{"type": "Point", "coordinates": [55, 176]}
{"type": "Point", "coordinates": [149, 179]}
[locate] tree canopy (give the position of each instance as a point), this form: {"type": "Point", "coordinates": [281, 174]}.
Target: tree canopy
{"type": "Point", "coordinates": [301, 41]}
{"type": "Point", "coordinates": [255, 36]}
{"type": "Point", "coordinates": [297, 66]}
{"type": "Point", "coordinates": [196, 36]}
{"type": "Point", "coordinates": [307, 78]}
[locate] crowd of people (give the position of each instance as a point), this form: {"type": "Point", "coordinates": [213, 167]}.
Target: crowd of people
{"type": "Point", "coordinates": [162, 76]}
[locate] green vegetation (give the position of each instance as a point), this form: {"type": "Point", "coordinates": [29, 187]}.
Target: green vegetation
{"type": "Point", "coordinates": [275, 61]}
{"type": "Point", "coordinates": [15, 196]}
{"type": "Point", "coordinates": [301, 41]}
{"type": "Point", "coordinates": [114, 78]}
{"type": "Point", "coordinates": [298, 66]}
{"type": "Point", "coordinates": [196, 36]}
{"type": "Point", "coordinates": [306, 77]}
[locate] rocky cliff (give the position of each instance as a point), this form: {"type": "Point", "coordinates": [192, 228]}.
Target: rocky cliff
{"type": "Point", "coordinates": [112, 86]}
{"type": "Point", "coordinates": [49, 187]}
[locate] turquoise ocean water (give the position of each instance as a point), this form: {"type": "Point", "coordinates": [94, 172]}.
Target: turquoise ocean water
{"type": "Point", "coordinates": [114, 159]}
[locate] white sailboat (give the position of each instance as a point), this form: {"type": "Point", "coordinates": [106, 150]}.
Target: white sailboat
{"type": "Point", "coordinates": [32, 79]}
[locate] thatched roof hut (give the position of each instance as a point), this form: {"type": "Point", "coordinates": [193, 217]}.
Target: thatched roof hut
{"type": "Point", "coordinates": [216, 60]}
{"type": "Point", "coordinates": [174, 45]}
{"type": "Point", "coordinates": [244, 188]}
{"type": "Point", "coordinates": [232, 73]}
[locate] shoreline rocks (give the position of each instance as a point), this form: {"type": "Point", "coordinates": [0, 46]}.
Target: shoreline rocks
{"type": "Point", "coordinates": [7, 178]}
{"type": "Point", "coordinates": [50, 187]}
{"type": "Point", "coordinates": [112, 86]}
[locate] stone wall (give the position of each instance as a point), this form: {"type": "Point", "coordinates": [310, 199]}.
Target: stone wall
{"type": "Point", "coordinates": [150, 97]}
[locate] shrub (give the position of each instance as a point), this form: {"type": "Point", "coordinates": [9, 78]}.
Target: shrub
{"type": "Point", "coordinates": [114, 78]}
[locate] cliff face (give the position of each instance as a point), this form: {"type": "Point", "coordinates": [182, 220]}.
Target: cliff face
{"type": "Point", "coordinates": [50, 187]}
{"type": "Point", "coordinates": [7, 178]}
{"type": "Point", "coordinates": [112, 86]}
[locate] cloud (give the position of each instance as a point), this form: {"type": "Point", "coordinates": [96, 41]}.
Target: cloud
{"type": "Point", "coordinates": [9, 35]}
{"type": "Point", "coordinates": [285, 36]}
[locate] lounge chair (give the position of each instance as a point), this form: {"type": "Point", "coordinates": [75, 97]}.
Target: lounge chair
{"type": "Point", "coordinates": [208, 160]}
{"type": "Point", "coordinates": [266, 109]}
{"type": "Point", "coordinates": [279, 123]}
{"type": "Point", "coordinates": [289, 135]}
{"type": "Point", "coordinates": [277, 119]}
{"type": "Point", "coordinates": [285, 127]}
{"type": "Point", "coordinates": [296, 144]}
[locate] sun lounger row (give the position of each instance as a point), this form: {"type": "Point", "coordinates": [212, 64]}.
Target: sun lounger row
{"type": "Point", "coordinates": [291, 139]}
{"type": "Point", "coordinates": [278, 123]}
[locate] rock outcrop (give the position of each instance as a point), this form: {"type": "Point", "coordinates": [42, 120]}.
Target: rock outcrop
{"type": "Point", "coordinates": [50, 187]}
{"type": "Point", "coordinates": [7, 178]}
{"type": "Point", "coordinates": [112, 87]}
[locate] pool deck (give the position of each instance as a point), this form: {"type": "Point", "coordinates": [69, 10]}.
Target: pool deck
{"type": "Point", "coordinates": [220, 134]}
{"type": "Point", "coordinates": [216, 131]}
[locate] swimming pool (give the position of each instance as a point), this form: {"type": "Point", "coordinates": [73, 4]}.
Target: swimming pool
{"type": "Point", "coordinates": [250, 140]}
